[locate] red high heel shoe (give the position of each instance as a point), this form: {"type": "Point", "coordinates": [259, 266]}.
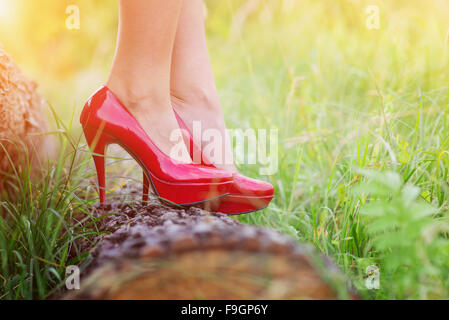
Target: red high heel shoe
{"type": "Point", "coordinates": [246, 195]}
{"type": "Point", "coordinates": [105, 121]}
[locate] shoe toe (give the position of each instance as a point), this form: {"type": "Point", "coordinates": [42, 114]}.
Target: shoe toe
{"type": "Point", "coordinates": [250, 187]}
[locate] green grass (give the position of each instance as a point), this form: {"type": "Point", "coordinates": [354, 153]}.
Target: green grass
{"type": "Point", "coordinates": [363, 143]}
{"type": "Point", "coordinates": [348, 98]}
{"type": "Point", "coordinates": [41, 220]}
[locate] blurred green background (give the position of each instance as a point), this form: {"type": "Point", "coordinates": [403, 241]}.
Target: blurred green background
{"type": "Point", "coordinates": [343, 95]}
{"type": "Point", "coordinates": [322, 48]}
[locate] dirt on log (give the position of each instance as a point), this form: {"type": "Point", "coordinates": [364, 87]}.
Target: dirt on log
{"type": "Point", "coordinates": [21, 119]}
{"type": "Point", "coordinates": [153, 251]}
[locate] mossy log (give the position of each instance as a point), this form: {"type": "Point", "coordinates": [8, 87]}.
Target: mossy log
{"type": "Point", "coordinates": [157, 252]}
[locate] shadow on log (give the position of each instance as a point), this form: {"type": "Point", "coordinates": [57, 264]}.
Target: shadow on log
{"type": "Point", "coordinates": [157, 252]}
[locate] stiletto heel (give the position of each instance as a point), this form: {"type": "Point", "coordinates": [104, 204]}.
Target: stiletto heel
{"type": "Point", "coordinates": [100, 166]}
{"type": "Point", "coordinates": [98, 143]}
{"type": "Point", "coordinates": [146, 187]}
{"type": "Point", "coordinates": [105, 120]}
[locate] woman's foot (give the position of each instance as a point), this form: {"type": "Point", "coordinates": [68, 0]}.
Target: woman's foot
{"type": "Point", "coordinates": [192, 85]}
{"type": "Point", "coordinates": [246, 194]}
{"type": "Point", "coordinates": [200, 109]}
{"type": "Point", "coordinates": [105, 120]}
{"type": "Point", "coordinates": [156, 116]}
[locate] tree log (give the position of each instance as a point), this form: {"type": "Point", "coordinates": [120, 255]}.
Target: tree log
{"type": "Point", "coordinates": [21, 119]}
{"type": "Point", "coordinates": [157, 252]}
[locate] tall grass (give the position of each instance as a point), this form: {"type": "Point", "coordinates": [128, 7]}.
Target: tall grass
{"type": "Point", "coordinates": [349, 98]}
{"type": "Point", "coordinates": [41, 219]}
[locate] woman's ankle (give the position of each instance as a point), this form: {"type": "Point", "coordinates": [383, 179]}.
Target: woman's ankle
{"type": "Point", "coordinates": [136, 96]}
{"type": "Point", "coordinates": [197, 96]}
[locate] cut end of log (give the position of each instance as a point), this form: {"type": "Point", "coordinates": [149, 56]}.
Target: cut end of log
{"type": "Point", "coordinates": [21, 118]}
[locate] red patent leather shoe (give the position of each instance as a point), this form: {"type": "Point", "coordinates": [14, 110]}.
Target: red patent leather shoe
{"type": "Point", "coordinates": [246, 194]}
{"type": "Point", "coordinates": [106, 121]}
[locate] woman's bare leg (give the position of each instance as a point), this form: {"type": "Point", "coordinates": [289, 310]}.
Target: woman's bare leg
{"type": "Point", "coordinates": [140, 75]}
{"type": "Point", "coordinates": [193, 90]}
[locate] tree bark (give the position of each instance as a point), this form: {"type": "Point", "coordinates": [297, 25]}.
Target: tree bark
{"type": "Point", "coordinates": [156, 252]}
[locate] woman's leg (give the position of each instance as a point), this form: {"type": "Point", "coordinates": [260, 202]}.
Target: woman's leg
{"type": "Point", "coordinates": [140, 75]}
{"type": "Point", "coordinates": [193, 90]}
